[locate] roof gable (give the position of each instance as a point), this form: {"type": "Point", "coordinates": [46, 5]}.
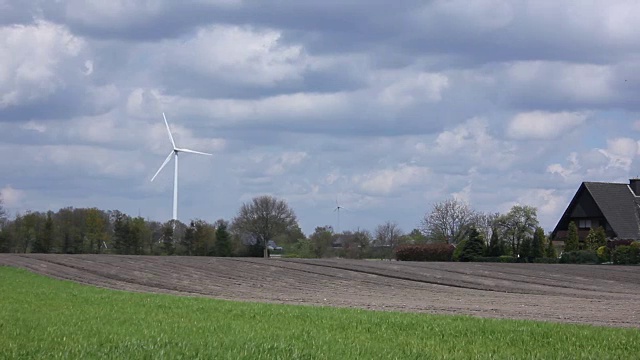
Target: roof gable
{"type": "Point", "coordinates": [586, 206]}
{"type": "Point", "coordinates": [616, 202]}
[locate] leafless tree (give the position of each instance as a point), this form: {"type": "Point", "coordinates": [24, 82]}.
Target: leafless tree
{"type": "Point", "coordinates": [486, 223]}
{"type": "Point", "coordinates": [388, 236]}
{"type": "Point", "coordinates": [264, 218]}
{"type": "Point", "coordinates": [449, 221]}
{"type": "Point", "coordinates": [3, 213]}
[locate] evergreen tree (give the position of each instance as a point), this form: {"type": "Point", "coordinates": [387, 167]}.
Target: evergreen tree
{"type": "Point", "coordinates": [121, 232]}
{"type": "Point", "coordinates": [167, 238]}
{"type": "Point", "coordinates": [496, 247]}
{"type": "Point", "coordinates": [37, 246]}
{"type": "Point", "coordinates": [189, 239]}
{"type": "Point", "coordinates": [525, 249]}
{"type": "Point", "coordinates": [4, 240]}
{"type": "Point", "coordinates": [47, 233]}
{"type": "Point", "coordinates": [204, 238]}
{"type": "Point", "coordinates": [473, 247]}
{"type": "Point", "coordinates": [137, 232]}
{"type": "Point", "coordinates": [550, 251]}
{"type": "Point", "coordinates": [537, 244]}
{"type": "Point", "coordinates": [223, 241]}
{"type": "Point", "coordinates": [96, 224]}
{"type": "Point", "coordinates": [596, 238]}
{"type": "Point", "coordinates": [571, 243]}
{"type": "Point", "coordinates": [44, 238]}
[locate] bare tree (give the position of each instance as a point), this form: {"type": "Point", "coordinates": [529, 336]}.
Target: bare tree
{"type": "Point", "coordinates": [449, 221]}
{"type": "Point", "coordinates": [355, 244]}
{"type": "Point", "coordinates": [486, 223]}
{"type": "Point", "coordinates": [388, 236]}
{"type": "Point", "coordinates": [264, 218]}
{"type": "Point", "coordinates": [3, 213]}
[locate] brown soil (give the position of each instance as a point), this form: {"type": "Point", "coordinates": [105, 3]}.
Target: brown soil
{"type": "Point", "coordinates": [599, 295]}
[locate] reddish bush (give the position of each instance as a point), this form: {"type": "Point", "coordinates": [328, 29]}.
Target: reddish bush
{"type": "Point", "coordinates": [426, 252]}
{"type": "Point", "coordinates": [612, 244]}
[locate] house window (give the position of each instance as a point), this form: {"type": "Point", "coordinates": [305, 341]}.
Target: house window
{"type": "Point", "coordinates": [584, 224]}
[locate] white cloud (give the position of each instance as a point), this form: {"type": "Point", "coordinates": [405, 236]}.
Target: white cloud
{"type": "Point", "coordinates": [286, 161]}
{"type": "Point", "coordinates": [407, 87]}
{"type": "Point", "coordinates": [88, 67]}
{"type": "Point", "coordinates": [239, 54]}
{"type": "Point", "coordinates": [299, 107]}
{"type": "Point", "coordinates": [550, 203]}
{"type": "Point", "coordinates": [38, 61]}
{"type": "Point", "coordinates": [92, 160]}
{"type": "Point", "coordinates": [565, 82]}
{"type": "Point", "coordinates": [298, 103]}
{"type": "Point", "coordinates": [541, 125]}
{"type": "Point", "coordinates": [621, 152]}
{"type": "Point", "coordinates": [383, 182]}
{"type": "Point", "coordinates": [613, 163]}
{"type": "Point", "coordinates": [473, 142]}
{"type": "Point", "coordinates": [34, 126]}
{"type": "Point", "coordinates": [568, 170]}
{"type": "Point", "coordinates": [11, 197]}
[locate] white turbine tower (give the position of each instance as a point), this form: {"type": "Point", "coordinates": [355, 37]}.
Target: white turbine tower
{"type": "Point", "coordinates": [174, 153]}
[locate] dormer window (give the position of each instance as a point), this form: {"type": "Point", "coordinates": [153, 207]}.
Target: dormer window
{"type": "Point", "coordinates": [584, 224]}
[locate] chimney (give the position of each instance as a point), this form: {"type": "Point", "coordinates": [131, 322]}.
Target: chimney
{"type": "Point", "coordinates": [634, 184]}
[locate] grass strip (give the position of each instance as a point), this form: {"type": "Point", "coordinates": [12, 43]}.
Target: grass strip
{"type": "Point", "coordinates": [43, 318]}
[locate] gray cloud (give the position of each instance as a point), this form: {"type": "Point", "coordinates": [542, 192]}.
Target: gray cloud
{"type": "Point", "coordinates": [391, 107]}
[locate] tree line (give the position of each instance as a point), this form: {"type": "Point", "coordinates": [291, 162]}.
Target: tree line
{"type": "Point", "coordinates": [263, 222]}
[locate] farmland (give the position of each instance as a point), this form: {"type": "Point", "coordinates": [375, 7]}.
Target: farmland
{"type": "Point", "coordinates": [597, 295]}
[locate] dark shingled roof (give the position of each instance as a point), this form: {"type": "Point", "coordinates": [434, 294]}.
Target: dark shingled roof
{"type": "Point", "coordinates": [619, 206]}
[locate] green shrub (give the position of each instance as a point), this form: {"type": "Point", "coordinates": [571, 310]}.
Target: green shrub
{"type": "Point", "coordinates": [545, 260]}
{"type": "Point", "coordinates": [626, 255]}
{"type": "Point", "coordinates": [425, 252]}
{"type": "Point", "coordinates": [572, 242]}
{"type": "Point", "coordinates": [496, 259]}
{"type": "Point", "coordinates": [457, 252]}
{"type": "Point", "coordinates": [596, 238]}
{"type": "Point", "coordinates": [579, 257]}
{"type": "Point", "coordinates": [473, 247]}
{"type": "Point", "coordinates": [604, 254]}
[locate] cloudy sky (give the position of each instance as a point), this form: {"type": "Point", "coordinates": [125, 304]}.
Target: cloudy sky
{"type": "Point", "coordinates": [389, 108]}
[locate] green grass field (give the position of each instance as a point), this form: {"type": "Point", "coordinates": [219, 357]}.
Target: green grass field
{"type": "Point", "coordinates": [42, 318]}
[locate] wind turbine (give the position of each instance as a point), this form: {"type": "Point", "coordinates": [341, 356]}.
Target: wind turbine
{"type": "Point", "coordinates": [174, 153]}
{"type": "Point", "coordinates": [337, 210]}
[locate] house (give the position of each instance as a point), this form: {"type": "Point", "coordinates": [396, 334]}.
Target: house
{"type": "Point", "coordinates": [613, 206]}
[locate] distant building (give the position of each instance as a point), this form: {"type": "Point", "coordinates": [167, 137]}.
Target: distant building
{"type": "Point", "coordinates": [613, 206]}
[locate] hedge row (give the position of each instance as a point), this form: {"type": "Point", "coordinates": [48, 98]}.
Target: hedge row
{"type": "Point", "coordinates": [579, 257]}
{"type": "Point", "coordinates": [498, 259]}
{"type": "Point", "coordinates": [511, 259]}
{"type": "Point", "coordinates": [425, 252]}
{"type": "Point", "coordinates": [626, 255]}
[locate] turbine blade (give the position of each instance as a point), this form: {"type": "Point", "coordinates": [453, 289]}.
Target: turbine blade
{"type": "Point", "coordinates": [194, 152]}
{"type": "Point", "coordinates": [169, 131]}
{"type": "Point", "coordinates": [162, 166]}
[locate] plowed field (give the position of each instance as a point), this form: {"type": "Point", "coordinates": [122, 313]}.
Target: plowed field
{"type": "Point", "coordinates": [600, 295]}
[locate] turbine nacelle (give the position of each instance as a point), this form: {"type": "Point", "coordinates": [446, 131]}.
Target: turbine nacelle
{"type": "Point", "coordinates": [174, 153]}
